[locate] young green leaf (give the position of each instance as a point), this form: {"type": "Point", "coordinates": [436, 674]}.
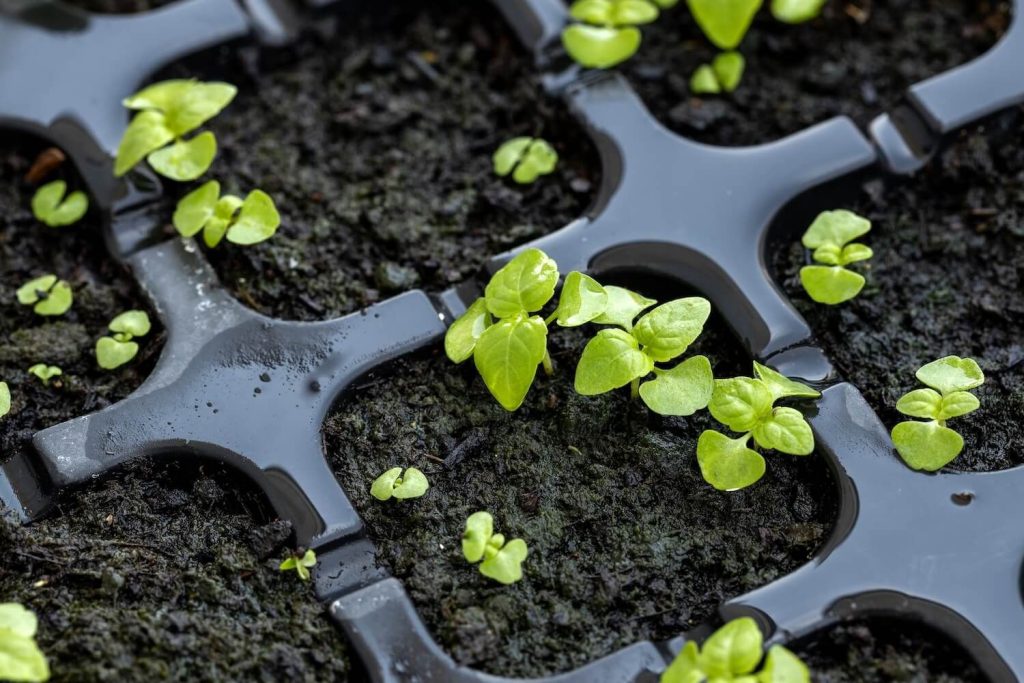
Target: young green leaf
{"type": "Point", "coordinates": [733, 650]}
{"type": "Point", "coordinates": [835, 228]}
{"type": "Point", "coordinates": [600, 47]}
{"type": "Point", "coordinates": [185, 159]}
{"type": "Point", "coordinates": [20, 657]}
{"type": "Point", "coordinates": [957, 404]}
{"type": "Point", "coordinates": [796, 11]}
{"type": "Point", "coordinates": [831, 284]}
{"type": "Point", "coordinates": [924, 403]}
{"type": "Point", "coordinates": [507, 355]}
{"type": "Point", "coordinates": [728, 69]}
{"type": "Point", "coordinates": [301, 565]}
{"type": "Point", "coordinates": [509, 154]}
{"type": "Point", "coordinates": [394, 484]}
{"type": "Point", "coordinates": [952, 373]}
{"type": "Point", "coordinates": [684, 668]}
{"type": "Point", "coordinates": [785, 430]}
{"type": "Point", "coordinates": [198, 104]}
{"type": "Point", "coordinates": [51, 207]}
{"type": "Point", "coordinates": [159, 96]}
{"type": "Point", "coordinates": [668, 330]}
{"type": "Point", "coordinates": [383, 487]}
{"type": "Point", "coordinates": [855, 252]}
{"type": "Point", "coordinates": [479, 529]}
{"type": "Point", "coordinates": [740, 403]}
{"type": "Point", "coordinates": [257, 220]}
{"type": "Point", "coordinates": [781, 386]}
{"type": "Point", "coordinates": [623, 307]}
{"type": "Point", "coordinates": [926, 445]}
{"type": "Point", "coordinates": [35, 290]}
{"type": "Point", "coordinates": [132, 323]}
{"type": "Point", "coordinates": [146, 133]}
{"type": "Point", "coordinates": [505, 565]}
{"type": "Point", "coordinates": [50, 296]}
{"type": "Point", "coordinates": [523, 285]}
{"type": "Point", "coordinates": [727, 464]}
{"type": "Point", "coordinates": [196, 208]}
{"type": "Point", "coordinates": [782, 666]}
{"type": "Point", "coordinates": [612, 359]}
{"type": "Point", "coordinates": [462, 336]}
{"type": "Point", "coordinates": [5, 399]}
{"type": "Point", "coordinates": [681, 391]}
{"type": "Point", "coordinates": [112, 353]}
{"type": "Point", "coordinates": [45, 372]}
{"type": "Point", "coordinates": [724, 22]}
{"type": "Point", "coordinates": [583, 299]}
{"type": "Point", "coordinates": [704, 81]}
{"type": "Point", "coordinates": [633, 12]}
{"type": "Point", "coordinates": [526, 158]}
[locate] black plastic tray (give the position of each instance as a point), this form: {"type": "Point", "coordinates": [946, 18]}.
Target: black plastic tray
{"type": "Point", "coordinates": [905, 544]}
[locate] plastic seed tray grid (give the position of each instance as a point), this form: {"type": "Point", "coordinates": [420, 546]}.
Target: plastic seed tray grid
{"type": "Point", "coordinates": [668, 206]}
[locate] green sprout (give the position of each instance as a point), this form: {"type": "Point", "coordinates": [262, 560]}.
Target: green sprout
{"type": "Point", "coordinates": [525, 158]}
{"type": "Point", "coordinates": [501, 561]}
{"type": "Point", "coordinates": [724, 22]}
{"type": "Point", "coordinates": [50, 206]}
{"type": "Point", "coordinates": [732, 653]}
{"type": "Point", "coordinates": [796, 11]}
{"type": "Point", "coordinates": [393, 484]}
{"type": "Point", "coordinates": [116, 350]}
{"type": "Point", "coordinates": [47, 295]}
{"type": "Point", "coordinates": [830, 236]}
{"type": "Point", "coordinates": [722, 75]}
{"type": "Point", "coordinates": [932, 445]}
{"type": "Point", "coordinates": [245, 222]}
{"type": "Point", "coordinates": [20, 656]}
{"type": "Point", "coordinates": [5, 399]}
{"type": "Point", "coordinates": [747, 406]}
{"type": "Point", "coordinates": [607, 33]}
{"type": "Point", "coordinates": [626, 354]}
{"type": "Point", "coordinates": [301, 565]}
{"type": "Point", "coordinates": [45, 372]}
{"type": "Point", "coordinates": [166, 112]}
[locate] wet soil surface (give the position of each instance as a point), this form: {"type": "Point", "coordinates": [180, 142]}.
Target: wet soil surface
{"type": "Point", "coordinates": [375, 140]}
{"type": "Point", "coordinates": [857, 59]}
{"type": "Point", "coordinates": [946, 278]}
{"type": "Point", "coordinates": [887, 652]}
{"type": "Point", "coordinates": [151, 575]}
{"type": "Point", "coordinates": [627, 542]}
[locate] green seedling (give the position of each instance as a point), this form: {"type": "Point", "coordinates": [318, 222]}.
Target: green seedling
{"type": "Point", "coordinates": [5, 399]}
{"type": "Point", "coordinates": [394, 484]}
{"type": "Point", "coordinates": [722, 75]}
{"type": "Point", "coordinates": [607, 32]}
{"type": "Point", "coordinates": [247, 222]}
{"type": "Point", "coordinates": [747, 405]}
{"type": "Point", "coordinates": [628, 353]}
{"type": "Point", "coordinates": [120, 348]}
{"type": "Point", "coordinates": [931, 445]}
{"type": "Point", "coordinates": [724, 22]}
{"type": "Point", "coordinates": [525, 158]}
{"type": "Point", "coordinates": [167, 111]}
{"type": "Point", "coordinates": [732, 653]}
{"type": "Point", "coordinates": [47, 295]}
{"type": "Point", "coordinates": [20, 656]}
{"type": "Point", "coordinates": [797, 11]}
{"type": "Point", "coordinates": [50, 206]}
{"type": "Point", "coordinates": [498, 560]}
{"type": "Point", "coordinates": [45, 372]}
{"type": "Point", "coordinates": [831, 237]}
{"type": "Point", "coordinates": [301, 565]}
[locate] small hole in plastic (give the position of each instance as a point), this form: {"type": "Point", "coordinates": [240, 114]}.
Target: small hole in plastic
{"type": "Point", "coordinates": [962, 498]}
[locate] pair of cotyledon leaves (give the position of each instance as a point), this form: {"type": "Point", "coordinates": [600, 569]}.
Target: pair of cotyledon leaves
{"type": "Point", "coordinates": [931, 445]}
{"type": "Point", "coordinates": [394, 484]}
{"type": "Point", "coordinates": [166, 112]}
{"type": "Point", "coordinates": [114, 351]}
{"type": "Point", "coordinates": [20, 657]}
{"type": "Point", "coordinates": [498, 560]}
{"type": "Point", "coordinates": [525, 158]}
{"type": "Point", "coordinates": [732, 654]}
{"type": "Point", "coordinates": [831, 237]}
{"type": "Point", "coordinates": [47, 295]}
{"type": "Point", "coordinates": [51, 207]}
{"type": "Point", "coordinates": [242, 222]}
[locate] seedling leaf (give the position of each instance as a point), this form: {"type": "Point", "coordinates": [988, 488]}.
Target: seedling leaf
{"type": "Point", "coordinates": [681, 391]}
{"type": "Point", "coordinates": [133, 323]}
{"type": "Point", "coordinates": [835, 228]}
{"type": "Point", "coordinates": [509, 154]}
{"type": "Point", "coordinates": [196, 208]}
{"type": "Point", "coordinates": [926, 445]}
{"type": "Point", "coordinates": [257, 221]}
{"type": "Point", "coordinates": [852, 253]}
{"type": "Point", "coordinates": [506, 565]}
{"type": "Point", "coordinates": [51, 207]}
{"type": "Point", "coordinates": [5, 399]}
{"type": "Point", "coordinates": [831, 284]}
{"type": "Point", "coordinates": [952, 373]}
{"type": "Point", "coordinates": [301, 565]}
{"type": "Point", "coordinates": [20, 657]}
{"type": "Point", "coordinates": [199, 103]}
{"type": "Point", "coordinates": [924, 403]}
{"type": "Point", "coordinates": [785, 430]}
{"type": "Point", "coordinates": [727, 464]}
{"type": "Point", "coordinates": [612, 359]}
{"type": "Point", "coordinates": [684, 668]}
{"type": "Point", "coordinates": [185, 159]}
{"type": "Point", "coordinates": [724, 22]}
{"type": "Point", "coordinates": [668, 330]}
{"type": "Point", "coordinates": [413, 484]}
{"type": "Point", "coordinates": [957, 404]}
{"type": "Point", "coordinates": [704, 81]}
{"type": "Point", "coordinates": [782, 666]}
{"type": "Point", "coordinates": [18, 620]}
{"type": "Point", "coordinates": [146, 133]}
{"type": "Point", "coordinates": [740, 403]}
{"type": "Point", "coordinates": [600, 47]}
{"type": "Point", "coordinates": [540, 158]}
{"type": "Point", "coordinates": [796, 11]}
{"type": "Point", "coordinates": [479, 529]}
{"type": "Point", "coordinates": [462, 336]}
{"type": "Point", "coordinates": [728, 69]}
{"type": "Point", "coordinates": [29, 293]}
{"type": "Point", "coordinates": [507, 355]}
{"type": "Point", "coordinates": [733, 650]}
{"type": "Point", "coordinates": [523, 285]}
{"type": "Point", "coordinates": [623, 307]}
{"type": "Point", "coordinates": [781, 386]}
{"type": "Point", "coordinates": [383, 487]}
{"type": "Point", "coordinates": [45, 372]}
{"type": "Point", "coordinates": [582, 300]}
{"type": "Point", "coordinates": [633, 12]}
{"type": "Point", "coordinates": [112, 353]}
{"type": "Point", "coordinates": [159, 96]}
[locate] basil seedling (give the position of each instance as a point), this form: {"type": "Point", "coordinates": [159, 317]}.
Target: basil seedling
{"type": "Point", "coordinates": [831, 237]}
{"type": "Point", "coordinates": [724, 22]}
{"type": "Point", "coordinates": [606, 34]}
{"type": "Point", "coordinates": [20, 656]}
{"type": "Point", "coordinates": [5, 399]}
{"type": "Point", "coordinates": [166, 112]}
{"type": "Point", "coordinates": [47, 295]}
{"type": "Point", "coordinates": [394, 484]}
{"type": "Point", "coordinates": [498, 560]}
{"type": "Point", "coordinates": [732, 653]}
{"type": "Point", "coordinates": [245, 222]}
{"type": "Point", "coordinates": [301, 565]}
{"type": "Point", "coordinates": [50, 206]}
{"type": "Point", "coordinates": [796, 11]}
{"type": "Point", "coordinates": [116, 350]}
{"type": "Point", "coordinates": [747, 405]}
{"type": "Point", "coordinates": [932, 445]}
{"type": "Point", "coordinates": [722, 75]}
{"type": "Point", "coordinates": [45, 372]}
{"type": "Point", "coordinates": [525, 158]}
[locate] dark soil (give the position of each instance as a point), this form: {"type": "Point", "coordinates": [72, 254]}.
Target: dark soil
{"type": "Point", "coordinates": [881, 651]}
{"type": "Point", "coordinates": [627, 542]}
{"type": "Point", "coordinates": [149, 576]}
{"type": "Point", "coordinates": [946, 279]}
{"type": "Point", "coordinates": [800, 75]}
{"type": "Point", "coordinates": [375, 141]}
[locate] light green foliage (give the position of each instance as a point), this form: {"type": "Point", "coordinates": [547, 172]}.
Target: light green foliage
{"type": "Point", "coordinates": [617, 357]}
{"type": "Point", "coordinates": [583, 299]}
{"type": "Point", "coordinates": [525, 158]}
{"type": "Point", "coordinates": [20, 657]}
{"type": "Point", "coordinates": [245, 222]}
{"type": "Point", "coordinates": [931, 445]}
{"type": "Point", "coordinates": [607, 33]}
{"type": "Point", "coordinates": [747, 405]}
{"type": "Point", "coordinates": [498, 560]}
{"type": "Point", "coordinates": [167, 111]}
{"type": "Point", "coordinates": [47, 295]}
{"type": "Point", "coordinates": [301, 565]}
{"type": "Point", "coordinates": [797, 11]}
{"type": "Point", "coordinates": [120, 348]}
{"type": "Point", "coordinates": [722, 75]}
{"type": "Point", "coordinates": [732, 653]}
{"type": "Point", "coordinates": [831, 239]}
{"type": "Point", "coordinates": [394, 484]}
{"type": "Point", "coordinates": [5, 399]}
{"type": "Point", "coordinates": [45, 372]}
{"type": "Point", "coordinates": [462, 336]}
{"type": "Point", "coordinates": [50, 206]}
{"type": "Point", "coordinates": [724, 22]}
{"type": "Point", "coordinates": [704, 81]}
